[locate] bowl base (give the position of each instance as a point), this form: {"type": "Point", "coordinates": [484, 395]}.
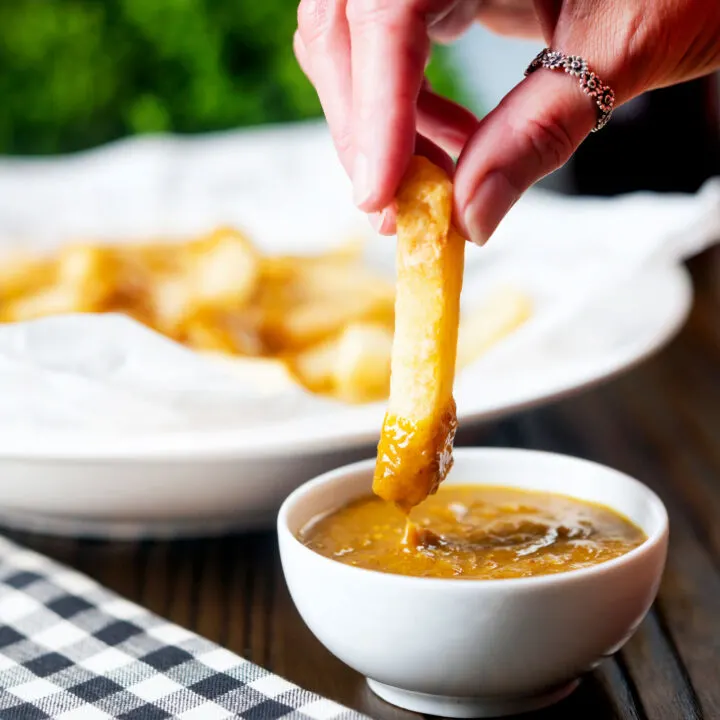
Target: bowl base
{"type": "Point", "coordinates": [468, 707]}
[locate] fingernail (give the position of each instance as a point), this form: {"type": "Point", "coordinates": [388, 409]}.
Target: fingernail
{"type": "Point", "coordinates": [491, 202]}
{"type": "Point", "coordinates": [361, 179]}
{"type": "Point", "coordinates": [376, 220]}
{"type": "Point", "coordinates": [382, 221]}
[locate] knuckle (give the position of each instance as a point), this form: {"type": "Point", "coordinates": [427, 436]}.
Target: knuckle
{"type": "Point", "coordinates": [343, 139]}
{"type": "Point", "coordinates": [301, 55]}
{"type": "Point", "coordinates": [313, 18]}
{"type": "Point", "coordinates": [634, 39]}
{"type": "Point", "coordinates": [639, 49]}
{"type": "Point", "coordinates": [362, 13]}
{"type": "Point", "coordinates": [298, 44]}
{"type": "Point", "coordinates": [550, 142]}
{"type": "Point", "coordinates": [454, 23]}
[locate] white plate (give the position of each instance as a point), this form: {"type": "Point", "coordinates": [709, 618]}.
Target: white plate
{"type": "Point", "coordinates": [101, 466]}
{"type": "Point", "coordinates": [184, 483]}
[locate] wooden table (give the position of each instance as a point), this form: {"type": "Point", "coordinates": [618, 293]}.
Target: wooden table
{"type": "Point", "coordinates": [660, 423]}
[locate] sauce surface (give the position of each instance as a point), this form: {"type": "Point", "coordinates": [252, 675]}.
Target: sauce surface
{"type": "Point", "coordinates": [474, 532]}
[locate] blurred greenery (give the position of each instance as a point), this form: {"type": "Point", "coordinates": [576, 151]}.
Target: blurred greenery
{"type": "Point", "coordinates": [77, 73]}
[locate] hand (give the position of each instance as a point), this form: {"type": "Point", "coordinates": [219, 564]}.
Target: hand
{"type": "Point", "coordinates": [367, 58]}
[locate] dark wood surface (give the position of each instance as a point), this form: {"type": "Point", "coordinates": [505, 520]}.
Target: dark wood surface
{"type": "Point", "coordinates": [660, 423]}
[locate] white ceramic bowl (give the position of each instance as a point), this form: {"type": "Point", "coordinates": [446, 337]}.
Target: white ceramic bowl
{"type": "Point", "coordinates": [477, 648]}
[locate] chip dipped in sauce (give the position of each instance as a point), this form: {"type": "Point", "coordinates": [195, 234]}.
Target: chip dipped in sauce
{"type": "Point", "coordinates": [413, 525]}
{"type": "Point", "coordinates": [474, 532]}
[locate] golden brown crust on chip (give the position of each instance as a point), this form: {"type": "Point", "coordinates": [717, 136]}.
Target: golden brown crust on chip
{"type": "Point", "coordinates": [415, 449]}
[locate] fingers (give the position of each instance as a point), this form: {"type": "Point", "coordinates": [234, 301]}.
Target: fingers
{"type": "Point", "coordinates": [548, 13]}
{"type": "Point", "coordinates": [389, 50]}
{"type": "Point", "coordinates": [427, 148]}
{"type": "Point", "coordinates": [446, 123]}
{"type": "Point", "coordinates": [533, 131]}
{"type": "Point", "coordinates": [506, 17]}
{"type": "Point", "coordinates": [301, 55]}
{"type": "Point", "coordinates": [451, 25]}
{"type": "Point", "coordinates": [322, 47]}
{"type": "Point", "coordinates": [367, 62]}
{"type": "Point", "coordinates": [384, 221]}
{"type": "Point", "coordinates": [517, 18]}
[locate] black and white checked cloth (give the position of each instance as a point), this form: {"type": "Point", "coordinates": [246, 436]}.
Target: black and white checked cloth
{"type": "Point", "coordinates": [72, 650]}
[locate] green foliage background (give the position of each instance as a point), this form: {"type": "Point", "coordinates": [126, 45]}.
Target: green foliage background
{"type": "Point", "coordinates": [77, 73]}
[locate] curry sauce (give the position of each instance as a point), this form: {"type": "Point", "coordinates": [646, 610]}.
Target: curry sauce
{"type": "Point", "coordinates": [474, 532]}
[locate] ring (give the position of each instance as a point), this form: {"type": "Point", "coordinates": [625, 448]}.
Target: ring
{"type": "Point", "coordinates": [590, 83]}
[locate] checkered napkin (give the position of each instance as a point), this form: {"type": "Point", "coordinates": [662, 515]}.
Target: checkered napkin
{"type": "Point", "coordinates": [72, 650]}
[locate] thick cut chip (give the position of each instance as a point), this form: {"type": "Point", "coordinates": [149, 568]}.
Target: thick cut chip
{"type": "Point", "coordinates": [311, 323]}
{"type": "Point", "coordinates": [83, 280]}
{"type": "Point", "coordinates": [485, 325]}
{"type": "Point", "coordinates": [262, 374]}
{"type": "Point", "coordinates": [415, 450]}
{"type": "Point", "coordinates": [22, 275]}
{"type": "Point", "coordinates": [221, 331]}
{"type": "Point", "coordinates": [223, 269]}
{"type": "Point", "coordinates": [217, 272]}
{"type": "Point", "coordinates": [362, 367]}
{"type": "Point", "coordinates": [55, 300]}
{"type": "Point", "coordinates": [306, 301]}
{"type": "Point", "coordinates": [91, 272]}
{"type": "Point", "coordinates": [327, 320]}
{"type": "Point", "coordinates": [314, 367]}
{"type": "Point", "coordinates": [353, 366]}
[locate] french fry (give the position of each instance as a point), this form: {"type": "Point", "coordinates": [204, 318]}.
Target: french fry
{"type": "Point", "coordinates": [89, 272]}
{"type": "Point", "coordinates": [83, 280]}
{"type": "Point", "coordinates": [152, 258]}
{"type": "Point", "coordinates": [222, 269]}
{"type": "Point", "coordinates": [353, 366]}
{"type": "Point", "coordinates": [221, 331]}
{"type": "Point", "coordinates": [22, 275]}
{"type": "Point", "coordinates": [169, 302]}
{"type": "Point", "coordinates": [294, 328]}
{"type": "Point", "coordinates": [55, 300]}
{"type": "Point", "coordinates": [314, 367]}
{"type": "Point", "coordinates": [362, 363]}
{"type": "Point", "coordinates": [326, 320]}
{"type": "Point", "coordinates": [306, 302]}
{"type": "Point", "coordinates": [285, 283]}
{"type": "Point", "coordinates": [491, 321]}
{"type": "Point", "coordinates": [415, 449]}
{"type": "Point", "coordinates": [264, 373]}
{"type": "Point", "coordinates": [285, 268]}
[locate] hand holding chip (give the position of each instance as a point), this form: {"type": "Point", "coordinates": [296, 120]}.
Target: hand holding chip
{"type": "Point", "coordinates": [386, 112]}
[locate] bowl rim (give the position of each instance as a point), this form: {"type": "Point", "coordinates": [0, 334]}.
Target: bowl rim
{"type": "Point", "coordinates": [659, 537]}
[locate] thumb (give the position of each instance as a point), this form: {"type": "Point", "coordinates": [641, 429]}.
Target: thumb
{"type": "Point", "coordinates": [534, 130]}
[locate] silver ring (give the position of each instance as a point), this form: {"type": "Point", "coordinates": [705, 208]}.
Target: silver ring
{"type": "Point", "coordinates": [590, 83]}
